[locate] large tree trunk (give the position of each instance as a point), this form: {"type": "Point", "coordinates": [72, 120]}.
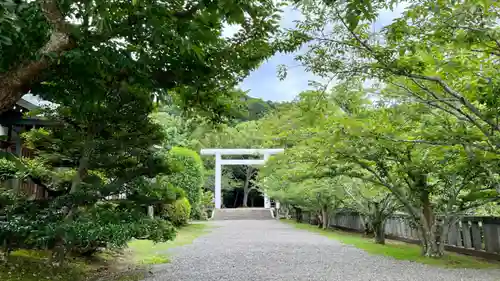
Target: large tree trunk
{"type": "Point", "coordinates": [431, 230]}
{"type": "Point", "coordinates": [287, 213]}
{"type": "Point", "coordinates": [81, 172]}
{"type": "Point", "coordinates": [319, 220]}
{"type": "Point", "coordinates": [379, 231]}
{"type": "Point", "coordinates": [17, 81]}
{"type": "Point", "coordinates": [432, 241]}
{"type": "Point", "coordinates": [61, 249]}
{"type": "Point", "coordinates": [432, 235]}
{"type": "Point", "coordinates": [245, 197]}
{"type": "Point", "coordinates": [367, 224]}
{"type": "Point", "coordinates": [378, 219]}
{"type": "Point", "coordinates": [324, 217]}
{"type": "Point", "coordinates": [298, 214]}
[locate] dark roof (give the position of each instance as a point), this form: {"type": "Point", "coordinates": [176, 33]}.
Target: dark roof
{"type": "Point", "coordinates": [15, 117]}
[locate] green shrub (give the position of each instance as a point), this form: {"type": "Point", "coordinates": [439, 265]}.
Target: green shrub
{"type": "Point", "coordinates": [198, 213]}
{"type": "Point", "coordinates": [190, 176]}
{"type": "Point", "coordinates": [179, 212]}
{"type": "Point", "coordinates": [111, 227]}
{"type": "Point", "coordinates": [207, 203]}
{"type": "Point", "coordinates": [99, 226]}
{"type": "Point", "coordinates": [8, 169]}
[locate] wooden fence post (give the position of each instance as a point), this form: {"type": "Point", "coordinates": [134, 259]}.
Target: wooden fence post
{"type": "Point", "coordinates": [466, 230]}
{"type": "Point", "coordinates": [491, 238]}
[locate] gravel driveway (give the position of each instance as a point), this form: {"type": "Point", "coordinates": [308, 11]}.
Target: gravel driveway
{"type": "Point", "coordinates": [274, 251]}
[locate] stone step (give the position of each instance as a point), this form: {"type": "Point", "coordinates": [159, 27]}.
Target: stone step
{"type": "Point", "coordinates": [243, 214]}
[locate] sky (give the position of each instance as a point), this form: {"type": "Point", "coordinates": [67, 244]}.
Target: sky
{"type": "Point", "coordinates": [263, 82]}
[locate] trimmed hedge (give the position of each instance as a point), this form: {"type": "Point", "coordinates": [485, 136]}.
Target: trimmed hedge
{"type": "Point", "coordinates": [190, 178]}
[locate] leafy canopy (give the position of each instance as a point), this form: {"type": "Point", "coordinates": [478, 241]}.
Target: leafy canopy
{"type": "Point", "coordinates": [175, 48]}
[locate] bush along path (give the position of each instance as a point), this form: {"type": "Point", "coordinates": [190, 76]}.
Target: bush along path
{"type": "Point", "coordinates": [131, 264]}
{"type": "Point", "coordinates": [260, 250]}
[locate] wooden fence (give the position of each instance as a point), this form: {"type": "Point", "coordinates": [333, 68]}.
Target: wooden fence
{"type": "Point", "coordinates": [478, 236]}
{"type": "Point", "coordinates": [27, 187]}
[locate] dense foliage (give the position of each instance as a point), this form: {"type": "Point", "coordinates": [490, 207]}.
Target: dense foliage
{"type": "Point", "coordinates": [106, 66]}
{"type": "Point", "coordinates": [96, 176]}
{"type": "Point", "coordinates": [356, 161]}
{"type": "Point", "coordinates": [174, 47]}
{"type": "Point", "coordinates": [189, 177]}
{"type": "Point", "coordinates": [412, 124]}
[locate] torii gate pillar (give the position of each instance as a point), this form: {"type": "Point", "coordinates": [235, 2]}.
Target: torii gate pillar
{"type": "Point", "coordinates": [218, 181]}
{"type": "Point", "coordinates": [219, 162]}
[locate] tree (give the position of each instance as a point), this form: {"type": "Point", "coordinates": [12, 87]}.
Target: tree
{"type": "Point", "coordinates": [374, 203]}
{"type": "Point", "coordinates": [441, 57]}
{"type": "Point", "coordinates": [176, 46]}
{"type": "Point", "coordinates": [293, 122]}
{"type": "Point", "coordinates": [309, 185]}
{"type": "Point", "coordinates": [252, 109]}
{"type": "Point", "coordinates": [189, 177]}
{"type": "Point", "coordinates": [179, 130]}
{"type": "Point", "coordinates": [291, 179]}
{"type": "Point", "coordinates": [97, 164]}
{"type": "Point", "coordinates": [431, 182]}
{"type": "Point", "coordinates": [435, 133]}
{"type": "Point", "coordinates": [434, 184]}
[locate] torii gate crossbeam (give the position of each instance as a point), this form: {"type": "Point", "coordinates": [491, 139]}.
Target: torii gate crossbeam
{"type": "Point", "coordinates": [236, 151]}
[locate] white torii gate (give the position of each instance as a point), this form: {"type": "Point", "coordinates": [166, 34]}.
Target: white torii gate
{"type": "Point", "coordinates": [236, 151]}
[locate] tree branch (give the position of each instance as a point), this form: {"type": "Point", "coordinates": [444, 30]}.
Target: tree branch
{"type": "Point", "coordinates": [54, 16]}
{"type": "Point", "coordinates": [438, 143]}
{"type": "Point", "coordinates": [189, 11]}
{"type": "Point", "coordinates": [459, 111]}
{"type": "Point", "coordinates": [16, 82]}
{"type": "Point", "coordinates": [436, 80]}
{"type": "Point", "coordinates": [456, 95]}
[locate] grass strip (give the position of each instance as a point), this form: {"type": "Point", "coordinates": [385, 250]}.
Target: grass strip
{"type": "Point", "coordinates": [398, 250]}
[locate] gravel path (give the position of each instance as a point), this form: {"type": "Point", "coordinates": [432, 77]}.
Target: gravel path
{"type": "Point", "coordinates": [270, 250]}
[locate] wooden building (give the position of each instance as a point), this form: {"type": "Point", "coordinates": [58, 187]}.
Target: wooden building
{"type": "Point", "coordinates": [12, 124]}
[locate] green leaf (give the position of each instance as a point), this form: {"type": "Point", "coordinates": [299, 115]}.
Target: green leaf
{"type": "Point", "coordinates": [5, 40]}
